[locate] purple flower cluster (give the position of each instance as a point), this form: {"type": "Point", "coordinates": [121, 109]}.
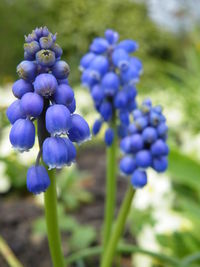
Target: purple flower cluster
{"type": "Point", "coordinates": [145, 146]}
{"type": "Point", "coordinates": [42, 91]}
{"type": "Point", "coordinates": [110, 73]}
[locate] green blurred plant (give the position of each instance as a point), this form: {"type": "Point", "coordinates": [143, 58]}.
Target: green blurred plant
{"type": "Point", "coordinates": [71, 195]}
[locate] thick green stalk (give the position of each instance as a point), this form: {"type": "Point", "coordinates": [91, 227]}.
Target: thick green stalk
{"type": "Point", "coordinates": [111, 165]}
{"type": "Point", "coordinates": [118, 229]}
{"type": "Point", "coordinates": [50, 199]}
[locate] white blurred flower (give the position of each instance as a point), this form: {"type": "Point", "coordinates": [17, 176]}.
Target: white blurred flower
{"type": "Point", "coordinates": [6, 96]}
{"type": "Point", "coordinates": [4, 179]}
{"type": "Point", "coordinates": [157, 194]}
{"type": "Point", "coordinates": [146, 240]}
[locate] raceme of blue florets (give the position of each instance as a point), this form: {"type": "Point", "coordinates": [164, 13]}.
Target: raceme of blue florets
{"type": "Point", "coordinates": [110, 73]}
{"type": "Point", "coordinates": [44, 94]}
{"type": "Point", "coordinates": [145, 144]}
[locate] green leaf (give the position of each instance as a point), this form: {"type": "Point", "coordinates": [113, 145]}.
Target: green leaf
{"type": "Point", "coordinates": [82, 237]}
{"type": "Point", "coordinates": [184, 169]}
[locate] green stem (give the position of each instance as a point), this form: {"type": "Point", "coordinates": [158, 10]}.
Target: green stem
{"type": "Point", "coordinates": [118, 229]}
{"type": "Point", "coordinates": [111, 156]}
{"type": "Point", "coordinates": [122, 249]}
{"type": "Point", "coordinates": [50, 198]}
{"type": "Point", "coordinates": [8, 254]}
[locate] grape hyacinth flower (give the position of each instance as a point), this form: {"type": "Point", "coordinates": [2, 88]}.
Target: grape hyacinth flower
{"type": "Point", "coordinates": [145, 145]}
{"type": "Point", "coordinates": [43, 94]}
{"type": "Point", "coordinates": [110, 73]}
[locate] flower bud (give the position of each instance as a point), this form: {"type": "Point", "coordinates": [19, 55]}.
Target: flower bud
{"type": "Point", "coordinates": [58, 119]}
{"type": "Point", "coordinates": [139, 179]}
{"type": "Point", "coordinates": [149, 135]}
{"type": "Point", "coordinates": [14, 112]}
{"type": "Point", "coordinates": [159, 148]}
{"type": "Point", "coordinates": [99, 45]}
{"type": "Point", "coordinates": [27, 70]}
{"type": "Point", "coordinates": [45, 84]}
{"type": "Point", "coordinates": [64, 95]}
{"type": "Point", "coordinates": [96, 127]}
{"type": "Point", "coordinates": [61, 69]}
{"type": "Point", "coordinates": [106, 111]}
{"type": "Point", "coordinates": [86, 60]}
{"type": "Point", "coordinates": [110, 84]}
{"type": "Point", "coordinates": [109, 136]}
{"type": "Point", "coordinates": [37, 179]}
{"type": "Point", "coordinates": [127, 165]}
{"type": "Point", "coordinates": [22, 135]}
{"type": "Point", "coordinates": [80, 131]}
{"type": "Point", "coordinates": [143, 158]}
{"type": "Point", "coordinates": [57, 50]}
{"type": "Point", "coordinates": [160, 164]}
{"type": "Point", "coordinates": [45, 58]}
{"type": "Point", "coordinates": [32, 104]}
{"type": "Point", "coordinates": [55, 152]}
{"type": "Point", "coordinates": [31, 48]}
{"type": "Point", "coordinates": [136, 142]}
{"type": "Point", "coordinates": [97, 94]}
{"type": "Point", "coordinates": [120, 59]}
{"type": "Point", "coordinates": [72, 106]}
{"type": "Point", "coordinates": [99, 64]}
{"type": "Point", "coordinates": [129, 46]}
{"type": "Point", "coordinates": [46, 42]}
{"type": "Point", "coordinates": [71, 151]}
{"type": "Point", "coordinates": [21, 87]}
{"type": "Point", "coordinates": [111, 36]}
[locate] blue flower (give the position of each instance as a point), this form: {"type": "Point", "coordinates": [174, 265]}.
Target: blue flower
{"type": "Point", "coordinates": [79, 131]}
{"type": "Point", "coordinates": [96, 127]}
{"type": "Point", "coordinates": [63, 95]}
{"type": "Point", "coordinates": [145, 144]}
{"type": "Point", "coordinates": [55, 152]}
{"type": "Point", "coordinates": [71, 151]}
{"type": "Point", "coordinates": [45, 58]}
{"type": "Point", "coordinates": [31, 104]}
{"type": "Point", "coordinates": [45, 84]}
{"type": "Point", "coordinates": [37, 179]}
{"type": "Point", "coordinates": [21, 87]}
{"type": "Point", "coordinates": [22, 135]}
{"type": "Point", "coordinates": [139, 179]}
{"type": "Point", "coordinates": [27, 70]}
{"type": "Point", "coordinates": [14, 112]}
{"type": "Point", "coordinates": [109, 136]}
{"type": "Point", "coordinates": [58, 119]}
{"type": "Point", "coordinates": [44, 94]}
{"type": "Point", "coordinates": [110, 73]}
{"type": "Point", "coordinates": [129, 46]}
{"type": "Point", "coordinates": [61, 69]}
{"type": "Point", "coordinates": [127, 165]}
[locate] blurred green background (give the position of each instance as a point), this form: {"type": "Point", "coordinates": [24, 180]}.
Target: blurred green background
{"type": "Point", "coordinates": [165, 216]}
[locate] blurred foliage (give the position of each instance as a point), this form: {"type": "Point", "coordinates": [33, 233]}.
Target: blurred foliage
{"type": "Point", "coordinates": [71, 194]}
{"type": "Point", "coordinates": [77, 23]}
{"type": "Point", "coordinates": [71, 188]}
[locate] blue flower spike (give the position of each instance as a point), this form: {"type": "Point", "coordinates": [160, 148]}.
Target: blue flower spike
{"type": "Point", "coordinates": [145, 145]}
{"type": "Point", "coordinates": [44, 94]}
{"type": "Point", "coordinates": [106, 71]}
